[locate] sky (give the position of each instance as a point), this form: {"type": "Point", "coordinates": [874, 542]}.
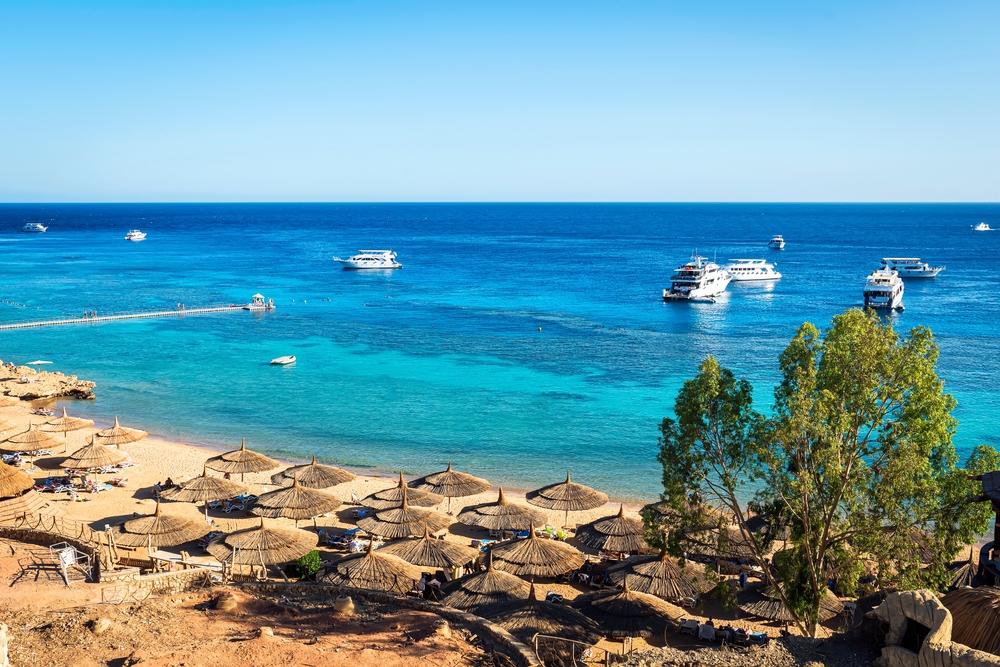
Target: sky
{"type": "Point", "coordinates": [500, 101]}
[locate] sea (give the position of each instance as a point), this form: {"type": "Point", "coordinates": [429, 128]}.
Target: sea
{"type": "Point", "coordinates": [519, 341]}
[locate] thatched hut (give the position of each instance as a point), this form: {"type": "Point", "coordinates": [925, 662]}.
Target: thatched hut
{"type": "Point", "coordinates": [975, 616]}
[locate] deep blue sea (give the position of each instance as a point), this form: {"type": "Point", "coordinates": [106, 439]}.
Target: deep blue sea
{"type": "Point", "coordinates": [443, 359]}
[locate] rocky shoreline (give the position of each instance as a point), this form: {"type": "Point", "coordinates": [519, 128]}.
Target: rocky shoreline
{"type": "Point", "coordinates": [27, 384]}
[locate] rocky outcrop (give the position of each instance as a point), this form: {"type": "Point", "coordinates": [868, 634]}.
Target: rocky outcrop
{"type": "Point", "coordinates": [27, 384]}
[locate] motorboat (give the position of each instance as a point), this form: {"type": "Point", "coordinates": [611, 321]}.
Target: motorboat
{"type": "Point", "coordinates": [777, 242]}
{"type": "Point", "coordinates": [35, 227]}
{"type": "Point", "coordinates": [135, 235]}
{"type": "Point", "coordinates": [283, 361]}
{"type": "Point", "coordinates": [981, 227]}
{"type": "Point", "coordinates": [697, 279]}
{"type": "Point", "coordinates": [884, 290]}
{"type": "Point", "coordinates": [751, 269]}
{"type": "Point", "coordinates": [911, 267]}
{"type": "Point", "coordinates": [371, 259]}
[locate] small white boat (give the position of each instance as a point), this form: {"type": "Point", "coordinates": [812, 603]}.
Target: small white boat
{"type": "Point", "coordinates": [884, 290]}
{"type": "Point", "coordinates": [981, 227]}
{"type": "Point", "coordinates": [911, 267]}
{"type": "Point", "coordinates": [698, 279]}
{"type": "Point", "coordinates": [371, 259]}
{"type": "Point", "coordinates": [135, 235]}
{"type": "Point", "coordinates": [751, 269]}
{"type": "Point", "coordinates": [777, 242]}
{"type": "Point", "coordinates": [35, 227]}
{"type": "Point", "coordinates": [283, 361]}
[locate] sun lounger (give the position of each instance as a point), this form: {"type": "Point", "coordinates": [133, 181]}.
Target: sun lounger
{"type": "Point", "coordinates": [361, 512]}
{"type": "Point", "coordinates": [689, 626]}
{"type": "Point", "coordinates": [707, 632]}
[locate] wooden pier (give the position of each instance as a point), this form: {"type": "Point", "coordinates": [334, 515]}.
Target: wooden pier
{"type": "Point", "coordinates": [133, 316]}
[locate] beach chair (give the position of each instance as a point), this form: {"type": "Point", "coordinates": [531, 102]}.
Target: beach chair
{"type": "Point", "coordinates": [688, 626]}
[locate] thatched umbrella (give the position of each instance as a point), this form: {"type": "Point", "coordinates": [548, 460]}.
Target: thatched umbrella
{"type": "Point", "coordinates": [157, 530]}
{"type": "Point", "coordinates": [14, 481]}
{"type": "Point", "coordinates": [93, 455]}
{"type": "Point", "coordinates": [529, 617]}
{"type": "Point", "coordinates": [451, 484]}
{"type": "Point", "coordinates": [29, 503]}
{"type": "Point", "coordinates": [313, 475]}
{"type": "Point", "coordinates": [403, 521]}
{"type": "Point", "coordinates": [65, 424]}
{"type": "Point", "coordinates": [975, 614]}
{"type": "Point", "coordinates": [501, 515]}
{"type": "Point", "coordinates": [30, 441]}
{"type": "Point", "coordinates": [263, 545]}
{"type": "Point", "coordinates": [963, 573]}
{"type": "Point", "coordinates": [119, 435]}
{"type": "Point", "coordinates": [203, 489]}
{"type": "Point", "coordinates": [764, 602]}
{"type": "Point", "coordinates": [6, 425]}
{"type": "Point", "coordinates": [296, 502]}
{"type": "Point", "coordinates": [428, 552]}
{"type": "Point", "coordinates": [627, 613]}
{"type": "Point", "coordinates": [374, 570]}
{"type": "Point", "coordinates": [8, 401]}
{"type": "Point", "coordinates": [242, 460]}
{"type": "Point", "coordinates": [658, 575]}
{"type": "Point", "coordinates": [490, 586]}
{"type": "Point", "coordinates": [537, 557]}
{"type": "Point", "coordinates": [393, 497]}
{"type": "Point", "coordinates": [567, 496]}
{"type": "Point", "coordinates": [613, 533]}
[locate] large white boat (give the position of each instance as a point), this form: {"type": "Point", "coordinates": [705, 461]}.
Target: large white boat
{"type": "Point", "coordinates": [884, 290]}
{"type": "Point", "coordinates": [34, 227]}
{"type": "Point", "coordinates": [777, 242]}
{"type": "Point", "coordinates": [371, 259]}
{"type": "Point", "coordinates": [911, 267]}
{"type": "Point", "coordinates": [698, 279]}
{"type": "Point", "coordinates": [135, 235]}
{"type": "Point", "coordinates": [751, 269]}
{"type": "Point", "coordinates": [981, 227]}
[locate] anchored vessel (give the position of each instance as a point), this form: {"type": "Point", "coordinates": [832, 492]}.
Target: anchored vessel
{"type": "Point", "coordinates": [283, 361]}
{"type": "Point", "coordinates": [371, 259]}
{"type": "Point", "coordinates": [777, 242]}
{"type": "Point", "coordinates": [751, 269]}
{"type": "Point", "coordinates": [135, 235]}
{"type": "Point", "coordinates": [34, 227]}
{"type": "Point", "coordinates": [911, 267]}
{"type": "Point", "coordinates": [698, 279]}
{"type": "Point", "coordinates": [981, 227]}
{"type": "Point", "coordinates": [884, 290]}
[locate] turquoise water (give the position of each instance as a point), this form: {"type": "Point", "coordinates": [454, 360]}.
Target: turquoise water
{"type": "Point", "coordinates": [443, 359]}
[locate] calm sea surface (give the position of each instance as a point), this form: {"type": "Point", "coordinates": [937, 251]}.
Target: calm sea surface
{"type": "Point", "coordinates": [443, 359]}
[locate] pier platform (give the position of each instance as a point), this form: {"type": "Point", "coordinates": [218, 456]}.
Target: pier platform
{"type": "Point", "coordinates": [30, 324]}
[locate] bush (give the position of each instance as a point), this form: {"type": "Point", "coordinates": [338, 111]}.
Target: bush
{"type": "Point", "coordinates": [306, 567]}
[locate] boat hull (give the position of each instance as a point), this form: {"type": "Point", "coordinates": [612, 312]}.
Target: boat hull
{"type": "Point", "coordinates": [283, 361]}
{"type": "Point", "coordinates": [756, 278]}
{"type": "Point", "coordinates": [929, 273]}
{"type": "Point", "coordinates": [355, 266]}
{"type": "Point", "coordinates": [707, 293]}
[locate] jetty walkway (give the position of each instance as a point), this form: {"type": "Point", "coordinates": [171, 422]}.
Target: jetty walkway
{"type": "Point", "coordinates": [131, 316]}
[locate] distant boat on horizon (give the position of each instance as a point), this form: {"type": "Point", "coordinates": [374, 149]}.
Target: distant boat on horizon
{"type": "Point", "coordinates": [371, 259]}
{"type": "Point", "coordinates": [34, 227]}
{"type": "Point", "coordinates": [777, 242]}
{"type": "Point", "coordinates": [981, 227]}
{"type": "Point", "coordinates": [135, 235]}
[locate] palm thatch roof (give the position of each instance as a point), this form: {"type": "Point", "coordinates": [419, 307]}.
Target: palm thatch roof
{"type": "Point", "coordinates": [501, 515]}
{"type": "Point", "coordinates": [120, 435]}
{"type": "Point", "coordinates": [975, 614]}
{"type": "Point", "coordinates": [393, 497]}
{"type": "Point", "coordinates": [451, 483]}
{"type": "Point", "coordinates": [658, 575]}
{"type": "Point", "coordinates": [403, 521]}
{"type": "Point", "coordinates": [296, 502]}
{"type": "Point", "coordinates": [29, 503]}
{"type": "Point", "coordinates": [963, 573]}
{"type": "Point", "coordinates": [428, 552]}
{"type": "Point", "coordinates": [312, 475]}
{"type": "Point", "coordinates": [489, 586]}
{"type": "Point", "coordinates": [526, 618]}
{"type": "Point", "coordinates": [14, 481]}
{"type": "Point", "coordinates": [93, 455]}
{"type": "Point", "coordinates": [764, 602]}
{"type": "Point", "coordinates": [204, 488]}
{"type": "Point", "coordinates": [567, 496]}
{"type": "Point", "coordinates": [241, 461]}
{"type": "Point", "coordinates": [66, 423]}
{"type": "Point", "coordinates": [537, 557]}
{"type": "Point", "coordinates": [263, 545]}
{"type": "Point", "coordinates": [31, 440]}
{"type": "Point", "coordinates": [374, 570]}
{"type": "Point", "coordinates": [159, 530]}
{"type": "Point", "coordinates": [8, 401]}
{"type": "Point", "coordinates": [627, 613]}
{"type": "Point", "coordinates": [613, 533]}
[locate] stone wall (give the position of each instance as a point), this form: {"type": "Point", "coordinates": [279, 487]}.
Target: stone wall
{"type": "Point", "coordinates": [47, 539]}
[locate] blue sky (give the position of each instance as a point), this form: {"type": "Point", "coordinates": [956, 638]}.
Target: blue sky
{"type": "Point", "coordinates": [439, 101]}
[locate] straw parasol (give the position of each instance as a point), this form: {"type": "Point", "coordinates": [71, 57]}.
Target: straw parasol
{"type": "Point", "coordinates": [263, 545]}
{"type": "Point", "coordinates": [613, 533]}
{"type": "Point", "coordinates": [658, 575]}
{"type": "Point", "coordinates": [65, 424]}
{"type": "Point", "coordinates": [242, 460]}
{"type": "Point", "coordinates": [8, 401]}
{"type": "Point", "coordinates": [501, 515]}
{"type": "Point", "coordinates": [203, 489]}
{"type": "Point", "coordinates": [627, 613]}
{"type": "Point", "coordinates": [963, 574]}
{"type": "Point", "coordinates": [296, 502]}
{"type": "Point", "coordinates": [29, 503]}
{"type": "Point", "coordinates": [313, 475]}
{"type": "Point", "coordinates": [393, 497]}
{"type": "Point", "coordinates": [6, 425]}
{"type": "Point", "coordinates": [764, 602]}
{"type": "Point", "coordinates": [975, 614]}
{"type": "Point", "coordinates": [537, 557]}
{"type": "Point", "coordinates": [428, 552]}
{"type": "Point", "coordinates": [403, 521]}
{"type": "Point", "coordinates": [93, 455]}
{"type": "Point", "coordinates": [30, 441]}
{"type": "Point", "coordinates": [13, 481]}
{"type": "Point", "coordinates": [490, 586]}
{"type": "Point", "coordinates": [567, 496]}
{"type": "Point", "coordinates": [451, 484]}
{"type": "Point", "coordinates": [529, 617]}
{"type": "Point", "coordinates": [119, 435]}
{"type": "Point", "coordinates": [157, 530]}
{"type": "Point", "coordinates": [374, 570]}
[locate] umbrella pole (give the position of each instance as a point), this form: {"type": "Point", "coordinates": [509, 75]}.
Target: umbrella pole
{"type": "Point", "coordinates": [206, 511]}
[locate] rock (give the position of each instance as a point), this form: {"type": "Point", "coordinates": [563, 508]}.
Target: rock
{"type": "Point", "coordinates": [441, 628]}
{"type": "Point", "coordinates": [266, 632]}
{"type": "Point", "coordinates": [135, 658]}
{"type": "Point", "coordinates": [4, 662]}
{"type": "Point", "coordinates": [226, 602]}
{"type": "Point", "coordinates": [100, 626]}
{"type": "Point", "coordinates": [42, 385]}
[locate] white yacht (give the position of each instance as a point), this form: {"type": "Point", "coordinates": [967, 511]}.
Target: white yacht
{"type": "Point", "coordinates": [698, 279]}
{"type": "Point", "coordinates": [884, 290]}
{"type": "Point", "coordinates": [911, 267]}
{"type": "Point", "coordinates": [981, 227]}
{"type": "Point", "coordinates": [371, 259]}
{"type": "Point", "coordinates": [283, 361]}
{"type": "Point", "coordinates": [34, 227]}
{"type": "Point", "coordinates": [135, 235]}
{"type": "Point", "coordinates": [751, 269]}
{"type": "Point", "coordinates": [777, 242]}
